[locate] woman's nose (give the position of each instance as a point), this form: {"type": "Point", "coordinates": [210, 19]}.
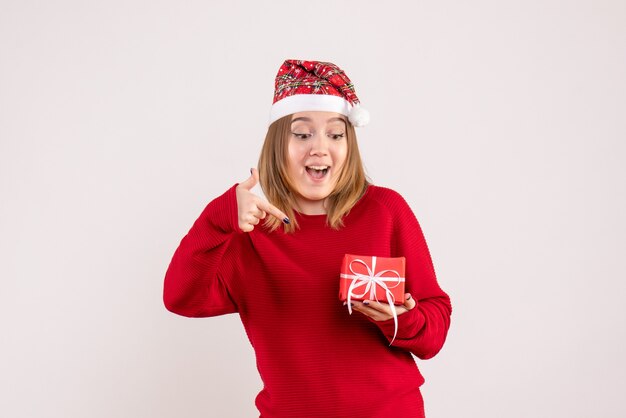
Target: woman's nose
{"type": "Point", "coordinates": [319, 145]}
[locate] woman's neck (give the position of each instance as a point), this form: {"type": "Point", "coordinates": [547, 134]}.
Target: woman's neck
{"type": "Point", "coordinates": [311, 207]}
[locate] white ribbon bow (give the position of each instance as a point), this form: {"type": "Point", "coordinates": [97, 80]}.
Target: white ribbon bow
{"type": "Point", "coordinates": [370, 281]}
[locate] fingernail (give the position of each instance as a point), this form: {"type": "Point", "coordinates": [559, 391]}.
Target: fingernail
{"type": "Point", "coordinates": [408, 297]}
{"type": "Point", "coordinates": [366, 303]}
{"type": "Point", "coordinates": [345, 303]}
{"type": "Point", "coordinates": [287, 221]}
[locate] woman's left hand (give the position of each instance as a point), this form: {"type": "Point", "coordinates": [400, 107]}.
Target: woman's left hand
{"type": "Point", "coordinates": [381, 311]}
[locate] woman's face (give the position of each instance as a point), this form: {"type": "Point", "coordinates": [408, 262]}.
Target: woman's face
{"type": "Point", "coordinates": [317, 150]}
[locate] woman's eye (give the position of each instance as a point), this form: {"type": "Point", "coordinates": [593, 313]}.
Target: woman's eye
{"type": "Point", "coordinates": [301, 136]}
{"type": "Point", "coordinates": [337, 136]}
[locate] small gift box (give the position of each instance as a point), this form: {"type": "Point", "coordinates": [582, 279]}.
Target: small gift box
{"type": "Point", "coordinates": [373, 278]}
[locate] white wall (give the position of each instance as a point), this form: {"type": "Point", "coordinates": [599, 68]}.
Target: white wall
{"type": "Point", "coordinates": [501, 122]}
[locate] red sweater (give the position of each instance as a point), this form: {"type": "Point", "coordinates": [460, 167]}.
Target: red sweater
{"type": "Point", "coordinates": [314, 358]}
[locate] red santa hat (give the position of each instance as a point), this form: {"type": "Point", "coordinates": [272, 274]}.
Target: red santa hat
{"type": "Point", "coordinates": [315, 85]}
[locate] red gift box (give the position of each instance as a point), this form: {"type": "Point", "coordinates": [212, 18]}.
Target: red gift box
{"type": "Point", "coordinates": [372, 278]}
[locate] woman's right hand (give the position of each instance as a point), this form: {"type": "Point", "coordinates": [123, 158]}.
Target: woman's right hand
{"type": "Point", "coordinates": [251, 208]}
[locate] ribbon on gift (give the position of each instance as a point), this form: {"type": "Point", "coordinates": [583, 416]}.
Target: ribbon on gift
{"type": "Point", "coordinates": [370, 281]}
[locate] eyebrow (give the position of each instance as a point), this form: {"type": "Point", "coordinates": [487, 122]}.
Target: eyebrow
{"type": "Point", "coordinates": [306, 119]}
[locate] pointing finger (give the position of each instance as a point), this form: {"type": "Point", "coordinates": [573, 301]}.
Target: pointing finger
{"type": "Point", "coordinates": [273, 210]}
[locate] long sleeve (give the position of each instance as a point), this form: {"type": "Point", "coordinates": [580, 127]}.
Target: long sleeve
{"type": "Point", "coordinates": [193, 284]}
{"type": "Point", "coordinates": [423, 329]}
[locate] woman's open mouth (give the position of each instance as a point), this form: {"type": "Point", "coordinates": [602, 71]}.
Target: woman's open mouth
{"type": "Point", "coordinates": [318, 172]}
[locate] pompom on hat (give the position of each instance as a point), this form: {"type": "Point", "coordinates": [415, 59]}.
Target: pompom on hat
{"type": "Point", "coordinates": [315, 85]}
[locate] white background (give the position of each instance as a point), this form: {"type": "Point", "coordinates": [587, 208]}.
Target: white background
{"type": "Point", "coordinates": [501, 122]}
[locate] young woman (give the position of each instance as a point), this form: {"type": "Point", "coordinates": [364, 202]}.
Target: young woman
{"type": "Point", "coordinates": [277, 263]}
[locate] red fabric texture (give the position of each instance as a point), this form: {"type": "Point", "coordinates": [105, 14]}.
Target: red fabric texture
{"type": "Point", "coordinates": [314, 358]}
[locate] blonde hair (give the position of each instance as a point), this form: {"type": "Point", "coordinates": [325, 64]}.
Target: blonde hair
{"type": "Point", "coordinates": [280, 192]}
